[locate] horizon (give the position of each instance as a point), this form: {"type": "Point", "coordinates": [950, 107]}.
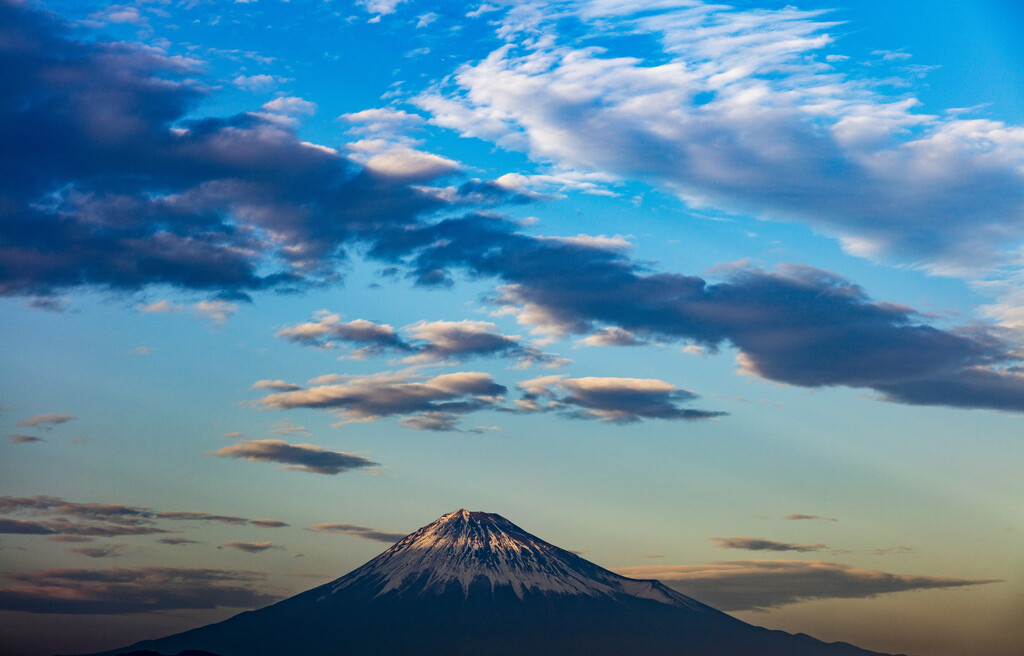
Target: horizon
{"type": "Point", "coordinates": [726, 296]}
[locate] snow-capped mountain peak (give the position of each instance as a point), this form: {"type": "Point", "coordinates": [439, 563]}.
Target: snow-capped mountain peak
{"type": "Point", "coordinates": [482, 550]}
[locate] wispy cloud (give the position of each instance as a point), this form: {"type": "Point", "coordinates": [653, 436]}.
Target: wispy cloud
{"type": "Point", "coordinates": [19, 438]}
{"type": "Point", "coordinates": [105, 551]}
{"type": "Point", "coordinates": [800, 516]}
{"type": "Point", "coordinates": [359, 532]}
{"type": "Point", "coordinates": [619, 400]}
{"type": "Point", "coordinates": [46, 421]}
{"type": "Point", "coordinates": [251, 547]}
{"type": "Point", "coordinates": [762, 544]}
{"type": "Point", "coordinates": [299, 457]}
{"type": "Point", "coordinates": [61, 519]}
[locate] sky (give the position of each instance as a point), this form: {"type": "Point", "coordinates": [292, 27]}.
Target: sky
{"type": "Point", "coordinates": [731, 296]}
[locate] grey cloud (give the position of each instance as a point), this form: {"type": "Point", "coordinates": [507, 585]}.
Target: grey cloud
{"type": "Point", "coordinates": [185, 515]}
{"type": "Point", "coordinates": [99, 519]}
{"type": "Point", "coordinates": [798, 516]}
{"type": "Point", "coordinates": [267, 523]}
{"type": "Point", "coordinates": [619, 400]}
{"type": "Point", "coordinates": [105, 551]}
{"type": "Point", "coordinates": [796, 324]}
{"type": "Point", "coordinates": [46, 421]}
{"type": "Point", "coordinates": [107, 184]}
{"type": "Point", "coordinates": [359, 532]}
{"type": "Point", "coordinates": [64, 527]}
{"type": "Point", "coordinates": [176, 541]}
{"type": "Point", "coordinates": [24, 527]}
{"type": "Point", "coordinates": [762, 544]}
{"type": "Point", "coordinates": [300, 457]}
{"type": "Point", "coordinates": [434, 421]}
{"type": "Point", "coordinates": [369, 398]}
{"type": "Point", "coordinates": [763, 584]}
{"type": "Point", "coordinates": [251, 547]}
{"type": "Point", "coordinates": [122, 591]}
{"type": "Point", "coordinates": [24, 439]}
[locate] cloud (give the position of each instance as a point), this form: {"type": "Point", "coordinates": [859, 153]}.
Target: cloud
{"type": "Point", "coordinates": [139, 590]}
{"type": "Point", "coordinates": [110, 183]}
{"type": "Point", "coordinates": [798, 516]}
{"type": "Point", "coordinates": [380, 6]}
{"type": "Point", "coordinates": [191, 516]}
{"type": "Point", "coordinates": [384, 120]}
{"type": "Point", "coordinates": [176, 541]}
{"type": "Point", "coordinates": [18, 438]}
{"type": "Point", "coordinates": [359, 532]}
{"type": "Point", "coordinates": [612, 336]}
{"type": "Point", "coordinates": [65, 527]}
{"type": "Point", "coordinates": [369, 398]}
{"type": "Point", "coordinates": [300, 457]}
{"type": "Point", "coordinates": [619, 400]}
{"type": "Point", "coordinates": [261, 82]}
{"type": "Point", "coordinates": [23, 527]}
{"type": "Point", "coordinates": [251, 547]}
{"type": "Point", "coordinates": [216, 311]}
{"type": "Point", "coordinates": [275, 385]}
{"type": "Point", "coordinates": [267, 523]}
{"type": "Point", "coordinates": [426, 341]}
{"type": "Point", "coordinates": [286, 426]}
{"type": "Point", "coordinates": [736, 110]}
{"type": "Point", "coordinates": [289, 106]}
{"type": "Point", "coordinates": [762, 544]}
{"type": "Point", "coordinates": [327, 329]}
{"type": "Point", "coordinates": [763, 584]}
{"type": "Point", "coordinates": [162, 306]}
{"type": "Point", "coordinates": [795, 324]}
{"type": "Point", "coordinates": [98, 519]}
{"type": "Point", "coordinates": [105, 551]}
{"type": "Point", "coordinates": [46, 421]}
{"type": "Point", "coordinates": [443, 340]}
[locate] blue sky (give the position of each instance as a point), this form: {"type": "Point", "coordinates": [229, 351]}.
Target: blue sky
{"type": "Point", "coordinates": [728, 296]}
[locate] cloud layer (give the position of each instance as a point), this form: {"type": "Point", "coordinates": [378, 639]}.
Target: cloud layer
{"type": "Point", "coordinates": [763, 584]}
{"type": "Point", "coordinates": [65, 520]}
{"type": "Point", "coordinates": [140, 590]}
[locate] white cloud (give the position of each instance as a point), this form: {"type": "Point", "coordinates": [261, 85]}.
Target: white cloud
{"type": "Point", "coordinates": [216, 311]}
{"type": "Point", "coordinates": [739, 111]}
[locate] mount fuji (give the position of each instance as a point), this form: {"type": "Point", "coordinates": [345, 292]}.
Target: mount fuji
{"type": "Point", "coordinates": [475, 583]}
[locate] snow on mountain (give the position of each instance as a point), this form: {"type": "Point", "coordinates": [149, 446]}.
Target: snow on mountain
{"type": "Point", "coordinates": [468, 548]}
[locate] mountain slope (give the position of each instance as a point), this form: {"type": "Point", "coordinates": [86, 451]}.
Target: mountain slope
{"type": "Point", "coordinates": [475, 583]}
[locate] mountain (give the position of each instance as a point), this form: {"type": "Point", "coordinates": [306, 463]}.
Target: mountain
{"type": "Point", "coordinates": [475, 583]}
